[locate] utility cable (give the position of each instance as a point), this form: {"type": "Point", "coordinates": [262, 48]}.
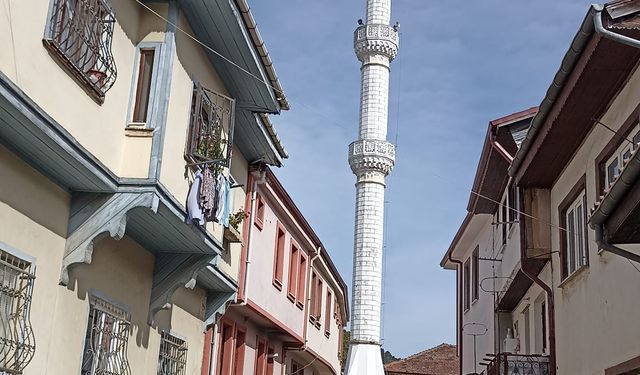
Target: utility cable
{"type": "Point", "coordinates": [204, 45]}
{"type": "Point", "coordinates": [388, 202]}
{"type": "Point", "coordinates": [240, 68]}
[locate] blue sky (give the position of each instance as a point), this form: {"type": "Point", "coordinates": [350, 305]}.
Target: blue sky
{"type": "Point", "coordinates": [461, 64]}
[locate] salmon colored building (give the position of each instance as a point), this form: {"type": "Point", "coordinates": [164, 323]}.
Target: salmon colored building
{"type": "Point", "coordinates": [292, 302]}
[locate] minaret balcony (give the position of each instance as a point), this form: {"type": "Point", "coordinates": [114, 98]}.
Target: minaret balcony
{"type": "Point", "coordinates": [376, 39]}
{"type": "Point", "coordinates": [368, 155]}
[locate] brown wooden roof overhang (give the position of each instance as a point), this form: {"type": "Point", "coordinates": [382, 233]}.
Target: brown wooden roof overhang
{"type": "Point", "coordinates": [491, 175]}
{"type": "Point", "coordinates": [591, 75]}
{"type": "Point", "coordinates": [518, 286]}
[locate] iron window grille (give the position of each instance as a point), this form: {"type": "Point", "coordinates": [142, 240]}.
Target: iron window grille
{"type": "Point", "coordinates": [105, 347]}
{"type": "Point", "coordinates": [173, 355]}
{"type": "Point", "coordinates": [17, 341]}
{"type": "Point", "coordinates": [210, 136]}
{"type": "Point", "coordinates": [80, 33]}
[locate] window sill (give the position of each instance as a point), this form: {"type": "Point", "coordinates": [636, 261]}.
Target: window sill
{"type": "Point", "coordinates": [291, 298]}
{"type": "Point", "coordinates": [138, 130]}
{"type": "Point", "coordinates": [277, 284]}
{"type": "Point", "coordinates": [574, 276]}
{"type": "Point", "coordinates": [258, 223]}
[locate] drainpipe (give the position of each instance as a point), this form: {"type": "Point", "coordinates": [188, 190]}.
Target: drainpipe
{"type": "Point", "coordinates": [600, 29]}
{"type": "Point", "coordinates": [524, 266]}
{"type": "Point", "coordinates": [459, 300]}
{"type": "Point", "coordinates": [604, 245]}
{"type": "Point", "coordinates": [307, 312]}
{"type": "Point", "coordinates": [248, 227]}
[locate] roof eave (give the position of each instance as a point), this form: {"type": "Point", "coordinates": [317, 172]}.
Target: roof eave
{"type": "Point", "coordinates": [259, 45]}
{"type": "Point", "coordinates": [569, 61]}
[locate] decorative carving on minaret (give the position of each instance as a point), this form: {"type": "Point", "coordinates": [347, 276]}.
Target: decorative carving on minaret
{"type": "Point", "coordinates": [376, 39]}
{"type": "Point", "coordinates": [371, 155]}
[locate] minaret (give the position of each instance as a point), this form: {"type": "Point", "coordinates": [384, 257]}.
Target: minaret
{"type": "Point", "coordinates": [371, 159]}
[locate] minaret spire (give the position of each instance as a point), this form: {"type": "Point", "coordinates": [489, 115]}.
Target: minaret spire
{"type": "Point", "coordinates": [371, 159]}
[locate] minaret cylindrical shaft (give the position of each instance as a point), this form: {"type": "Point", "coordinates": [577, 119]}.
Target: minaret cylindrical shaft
{"type": "Point", "coordinates": [378, 11]}
{"type": "Point", "coordinates": [374, 102]}
{"type": "Point", "coordinates": [371, 159]}
{"type": "Point", "coordinates": [367, 277]}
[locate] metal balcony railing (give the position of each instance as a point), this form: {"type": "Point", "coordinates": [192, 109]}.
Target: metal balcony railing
{"type": "Point", "coordinates": [210, 136]}
{"type": "Point", "coordinates": [518, 364]}
{"type": "Point", "coordinates": [80, 34]}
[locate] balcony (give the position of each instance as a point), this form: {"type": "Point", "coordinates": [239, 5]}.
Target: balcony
{"type": "Point", "coordinates": [518, 364]}
{"type": "Point", "coordinates": [210, 137]}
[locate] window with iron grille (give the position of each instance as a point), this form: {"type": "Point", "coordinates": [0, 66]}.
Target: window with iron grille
{"type": "Point", "coordinates": [80, 33]}
{"type": "Point", "coordinates": [173, 355]}
{"type": "Point", "coordinates": [210, 136]}
{"type": "Point", "coordinates": [105, 346]}
{"type": "Point", "coordinates": [17, 342]}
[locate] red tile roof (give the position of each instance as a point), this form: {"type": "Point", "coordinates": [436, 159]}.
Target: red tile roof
{"type": "Point", "coordinates": [441, 360]}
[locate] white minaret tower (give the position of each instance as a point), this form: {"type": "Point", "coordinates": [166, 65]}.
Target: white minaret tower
{"type": "Point", "coordinates": [371, 159]}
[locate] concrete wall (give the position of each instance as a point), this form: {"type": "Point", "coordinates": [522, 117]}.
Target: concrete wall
{"type": "Point", "coordinates": [33, 217]}
{"type": "Point", "coordinates": [261, 289]}
{"type": "Point", "coordinates": [597, 305]}
{"type": "Point", "coordinates": [272, 299]}
{"type": "Point", "coordinates": [100, 128]}
{"type": "Point", "coordinates": [481, 310]}
{"type": "Point", "coordinates": [253, 334]}
{"type": "Point", "coordinates": [326, 346]}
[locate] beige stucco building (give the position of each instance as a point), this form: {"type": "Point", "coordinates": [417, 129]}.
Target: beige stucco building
{"type": "Point", "coordinates": [109, 112]}
{"type": "Point", "coordinates": [548, 253]}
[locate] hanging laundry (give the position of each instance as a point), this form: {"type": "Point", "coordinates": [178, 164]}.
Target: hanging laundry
{"type": "Point", "coordinates": [223, 203]}
{"type": "Point", "coordinates": [227, 207]}
{"type": "Point", "coordinates": [194, 208]}
{"type": "Point", "coordinates": [208, 194]}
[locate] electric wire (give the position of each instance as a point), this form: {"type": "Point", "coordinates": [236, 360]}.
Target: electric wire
{"type": "Point", "coordinates": [387, 202]}
{"type": "Point", "coordinates": [316, 111]}
{"type": "Point", "coordinates": [229, 61]}
{"type": "Point", "coordinates": [207, 47]}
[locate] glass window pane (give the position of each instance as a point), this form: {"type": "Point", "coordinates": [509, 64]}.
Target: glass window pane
{"type": "Point", "coordinates": [612, 172]}
{"type": "Point", "coordinates": [636, 138]}
{"type": "Point", "coordinates": [579, 236]}
{"type": "Point", "coordinates": [571, 254]}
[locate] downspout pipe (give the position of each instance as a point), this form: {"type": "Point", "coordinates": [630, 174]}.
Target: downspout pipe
{"type": "Point", "coordinates": [249, 225]}
{"type": "Point", "coordinates": [600, 29]}
{"type": "Point", "coordinates": [604, 245]}
{"type": "Point", "coordinates": [459, 303]}
{"type": "Point", "coordinates": [524, 266]}
{"type": "Point", "coordinates": [307, 310]}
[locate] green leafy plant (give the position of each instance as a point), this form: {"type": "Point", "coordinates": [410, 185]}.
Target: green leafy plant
{"type": "Point", "coordinates": [236, 219]}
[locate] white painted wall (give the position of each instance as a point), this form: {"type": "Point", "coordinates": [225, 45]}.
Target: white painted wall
{"type": "Point", "coordinates": [596, 312]}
